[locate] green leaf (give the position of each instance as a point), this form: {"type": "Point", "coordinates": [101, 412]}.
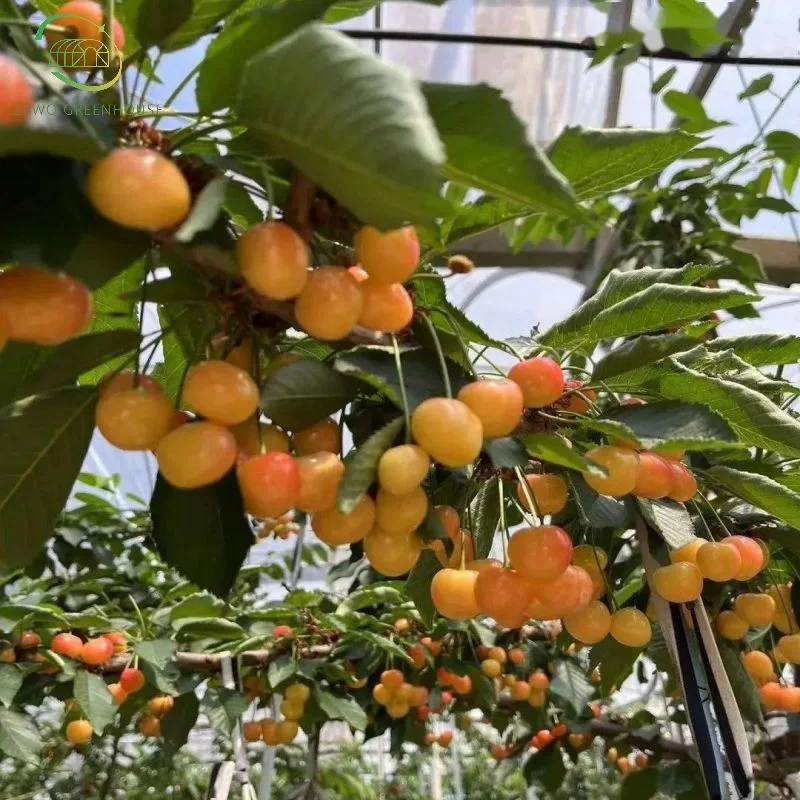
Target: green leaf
{"type": "Point", "coordinates": [421, 373]}
{"type": "Point", "coordinates": [157, 20]}
{"type": "Point", "coordinates": [670, 519]}
{"type": "Point", "coordinates": [674, 424]}
{"type": "Point", "coordinates": [554, 449]}
{"type": "Point", "coordinates": [222, 69]}
{"type": "Point", "coordinates": [625, 363]}
{"type": "Point", "coordinates": [223, 707]}
{"type": "Point", "coordinates": [95, 700]}
{"type": "Point", "coordinates": [761, 491]}
{"type": "Point", "coordinates": [208, 628]}
{"type": "Point", "coordinates": [689, 108]}
{"type": "Point", "coordinates": [663, 79]}
{"type": "Point", "coordinates": [546, 767]}
{"type": "Point", "coordinates": [302, 393]}
{"type": "Point", "coordinates": [599, 162]}
{"type": "Point", "coordinates": [241, 207]}
{"type": "Point", "coordinates": [353, 123]}
{"type": "Point", "coordinates": [205, 16]}
{"type": "Point", "coordinates": [418, 585]}
{"type": "Point", "coordinates": [488, 148]}
{"type": "Point", "coordinates": [203, 532]}
{"type": "Point", "coordinates": [616, 288]}
{"type": "Point", "coordinates": [485, 509]}
{"type": "Point", "coordinates": [158, 652]}
{"type": "Point", "coordinates": [196, 606]}
{"type": "Point", "coordinates": [281, 670]}
{"type": "Point", "coordinates": [344, 707]}
{"type": "Point", "coordinates": [689, 26]}
{"type": "Point", "coordinates": [11, 678]}
{"type": "Point", "coordinates": [205, 210]}
{"type": "Point", "coordinates": [505, 453]}
{"type": "Point", "coordinates": [570, 684]}
{"type": "Point", "coordinates": [742, 685]}
{"type": "Point", "coordinates": [361, 465]}
{"type": "Point", "coordinates": [45, 439]}
{"type": "Point", "coordinates": [177, 725]}
{"type": "Point", "coordinates": [19, 737]}
{"type": "Point", "coordinates": [761, 349]}
{"type": "Point", "coordinates": [616, 663]}
{"type": "Point", "coordinates": [640, 785]}
{"type": "Point", "coordinates": [483, 694]}
{"type": "Point", "coordinates": [757, 86]}
{"type": "Point", "coordinates": [754, 418]}
{"type": "Point", "coordinates": [596, 510]}
{"type": "Point", "coordinates": [375, 594]}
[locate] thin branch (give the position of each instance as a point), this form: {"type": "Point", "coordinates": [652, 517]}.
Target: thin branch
{"type": "Point", "coordinates": [302, 191]}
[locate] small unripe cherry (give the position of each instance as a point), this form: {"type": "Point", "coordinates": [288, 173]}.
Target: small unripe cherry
{"type": "Point", "coordinates": [386, 307]}
{"type": "Point", "coordinates": [325, 435]}
{"type": "Point", "coordinates": [400, 513]}
{"type": "Point", "coordinates": [540, 554]}
{"type": "Point", "coordinates": [541, 380]}
{"type": "Point", "coordinates": [453, 593]}
{"type": "Point", "coordinates": [549, 493]}
{"type": "Point", "coordinates": [132, 680]}
{"type": "Point", "coordinates": [719, 561]}
{"type": "Point", "coordinates": [282, 632]}
{"type": "Point", "coordinates": [622, 466]}
{"type": "Point", "coordinates": [655, 478]}
{"type": "Point", "coordinates": [389, 257]}
{"type": "Point", "coordinates": [329, 306]}
{"type": "Point", "coordinates": [678, 583]}
{"type": "Point", "coordinates": [196, 454]}
{"type": "Point", "coordinates": [589, 625]}
{"type": "Point", "coordinates": [448, 430]}
{"type": "Point", "coordinates": [139, 188]}
{"type": "Point", "coordinates": [96, 651]}
{"type": "Point", "coordinates": [273, 260]}
{"type": "Point", "coordinates": [79, 731]}
{"type": "Point", "coordinates": [630, 627]}
{"type": "Point", "coordinates": [335, 528]}
{"type": "Point", "coordinates": [16, 94]}
{"type": "Point", "coordinates": [43, 307]}
{"type": "Point", "coordinates": [496, 403]}
{"type": "Point", "coordinates": [402, 469]}
{"type": "Point", "coordinates": [685, 486]}
{"type": "Point", "coordinates": [320, 476]}
{"type": "Point", "coordinates": [270, 484]}
{"type": "Point", "coordinates": [392, 554]}
{"type": "Point", "coordinates": [67, 644]}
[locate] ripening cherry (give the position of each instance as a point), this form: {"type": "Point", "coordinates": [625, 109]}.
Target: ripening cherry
{"type": "Point", "coordinates": [678, 583]}
{"type": "Point", "coordinates": [251, 731]}
{"type": "Point", "coordinates": [578, 403]}
{"type": "Point", "coordinates": [320, 476]}
{"type": "Point", "coordinates": [221, 392]}
{"type": "Point", "coordinates": [335, 528]}
{"type": "Point", "coordinates": [759, 666]}
{"type": "Point", "coordinates": [771, 695]}
{"type": "Point", "coordinates": [790, 647]}
{"type": "Point", "coordinates": [590, 625]}
{"type": "Point", "coordinates": [96, 651]}
{"type": "Point", "coordinates": [654, 479]}
{"type": "Point", "coordinates": [400, 513]}
{"type": "Point", "coordinates": [67, 644]}
{"type": "Point", "coordinates": [450, 520]}
{"type": "Point", "coordinates": [330, 304]}
{"type": "Point", "coordinates": [453, 593]}
{"type": "Point", "coordinates": [161, 705]}
{"type": "Point", "coordinates": [622, 466]}
{"type": "Point", "coordinates": [785, 620]}
{"type": "Point", "coordinates": [504, 595]}
{"type": "Point", "coordinates": [589, 557]}
{"type": "Point", "coordinates": [569, 592]}
{"type": "Point", "coordinates": [731, 626]}
{"type": "Point", "coordinates": [323, 435]}
{"type": "Point", "coordinates": [139, 188]}
{"type": "Point", "coordinates": [43, 307]}
{"type": "Point", "coordinates": [537, 698]}
{"type": "Point", "coordinates": [28, 640]}
{"type": "Point", "coordinates": [389, 257]}
{"type": "Point", "coordinates": [392, 554]}
{"type": "Point", "coordinates": [79, 731]}
{"type": "Point", "coordinates": [402, 469]}
{"type": "Point", "coordinates": [150, 726]}
{"type": "Point", "coordinates": [685, 485]}
{"type": "Point", "coordinates": [752, 556]}
{"type": "Point", "coordinates": [270, 484]}
{"type": "Point", "coordinates": [118, 639]}
{"type": "Point", "coordinates": [688, 552]}
{"type": "Point", "coordinates": [539, 681]}
{"type": "Point", "coordinates": [496, 403]}
{"type": "Point", "coordinates": [541, 380]}
{"type": "Point", "coordinates": [791, 699]}
{"type": "Point", "coordinates": [719, 561]}
{"type": "Point", "coordinates": [196, 454]}
{"type": "Point", "coordinates": [251, 441]}
{"type": "Point", "coordinates": [280, 361]}
{"type": "Point", "coordinates": [86, 22]}
{"type": "Point", "coordinates": [540, 554]}
{"type": "Point", "coordinates": [387, 307]}
{"type": "Point", "coordinates": [118, 694]}
{"type": "Point", "coordinates": [491, 668]}
{"type": "Point", "coordinates": [757, 610]}
{"type": "Point", "coordinates": [16, 94]}
{"type": "Point", "coordinates": [549, 493]}
{"type": "Point", "coordinates": [516, 656]}
{"type": "Point", "coordinates": [273, 260]}
{"type": "Point", "coordinates": [448, 430]}
{"type": "Point", "coordinates": [286, 731]}
{"type": "Point", "coordinates": [134, 419]}
{"type": "Point", "coordinates": [392, 679]}
{"type": "Point", "coordinates": [292, 710]}
{"type": "Point", "coordinates": [132, 680]}
{"type": "Point", "coordinates": [462, 536]}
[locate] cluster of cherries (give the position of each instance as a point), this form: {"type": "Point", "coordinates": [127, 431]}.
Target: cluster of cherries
{"type": "Point", "coordinates": [274, 732]}
{"type": "Point", "coordinates": [633, 762]}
